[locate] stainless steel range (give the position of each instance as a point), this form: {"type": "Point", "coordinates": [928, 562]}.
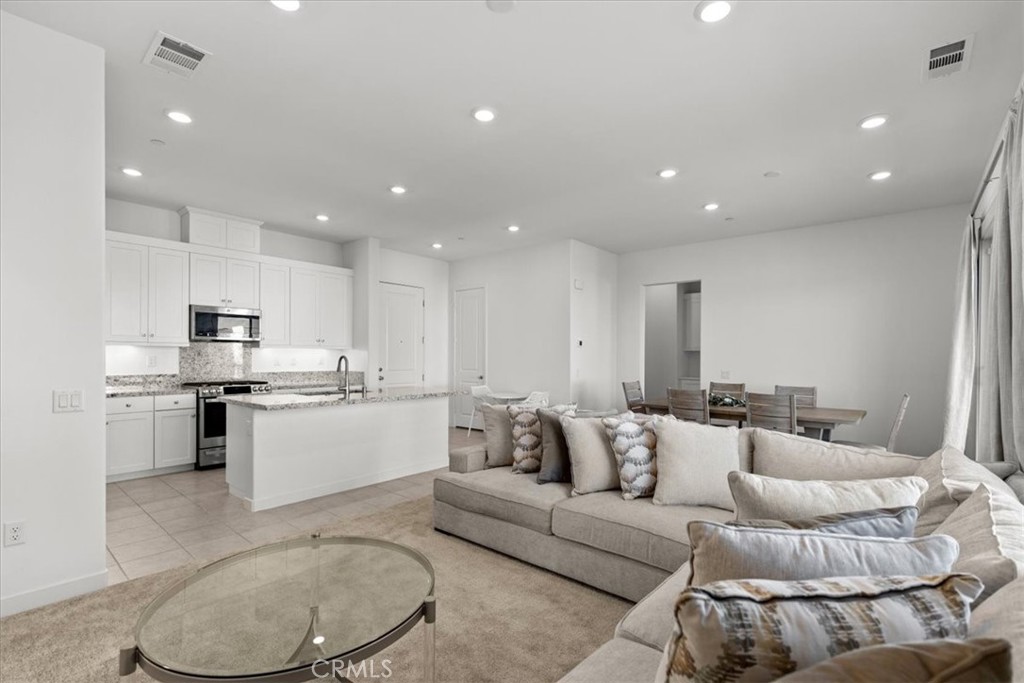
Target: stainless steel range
{"type": "Point", "coordinates": [211, 435]}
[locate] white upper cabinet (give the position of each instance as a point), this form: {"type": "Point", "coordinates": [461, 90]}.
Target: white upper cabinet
{"type": "Point", "coordinates": [127, 301]}
{"type": "Point", "coordinates": [274, 305]}
{"type": "Point", "coordinates": [219, 281]}
{"type": "Point", "coordinates": [213, 229]}
{"type": "Point", "coordinates": [321, 309]}
{"type": "Point", "coordinates": [146, 295]}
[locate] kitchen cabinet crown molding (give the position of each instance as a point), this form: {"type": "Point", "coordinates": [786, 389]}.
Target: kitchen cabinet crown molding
{"type": "Point", "coordinates": [185, 210]}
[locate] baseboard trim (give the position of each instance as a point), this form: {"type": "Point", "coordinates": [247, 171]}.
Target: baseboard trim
{"type": "Point", "coordinates": [20, 602]}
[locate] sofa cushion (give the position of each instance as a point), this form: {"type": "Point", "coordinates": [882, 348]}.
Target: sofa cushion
{"type": "Point", "coordinates": [650, 621]}
{"type": "Point", "coordinates": [787, 456]}
{"type": "Point", "coordinates": [554, 459]}
{"type": "Point", "coordinates": [620, 660]}
{"type": "Point", "coordinates": [759, 497]}
{"type": "Point", "coordinates": [591, 457]}
{"type": "Point", "coordinates": [637, 529]}
{"type": "Point", "coordinates": [498, 493]}
{"type": "Point", "coordinates": [952, 478]}
{"type": "Point", "coordinates": [526, 441]}
{"type": "Point", "coordinates": [980, 660]}
{"type": "Point", "coordinates": [758, 630]}
{"type": "Point", "coordinates": [694, 461]}
{"type": "Point", "coordinates": [498, 434]}
{"type": "Point", "coordinates": [720, 552]}
{"type": "Point", "coordinates": [634, 444]}
{"type": "Point", "coordinates": [885, 522]}
{"type": "Point", "coordinates": [989, 526]}
{"type": "Point", "coordinates": [1002, 616]}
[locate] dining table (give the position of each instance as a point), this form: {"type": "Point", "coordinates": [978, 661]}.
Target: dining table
{"type": "Point", "coordinates": [811, 419]}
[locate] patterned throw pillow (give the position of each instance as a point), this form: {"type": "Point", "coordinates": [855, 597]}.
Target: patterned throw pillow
{"type": "Point", "coordinates": [634, 443]}
{"type": "Point", "coordinates": [527, 447]}
{"type": "Point", "coordinates": [759, 630]}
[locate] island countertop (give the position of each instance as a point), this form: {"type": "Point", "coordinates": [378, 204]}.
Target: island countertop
{"type": "Point", "coordinates": [282, 400]}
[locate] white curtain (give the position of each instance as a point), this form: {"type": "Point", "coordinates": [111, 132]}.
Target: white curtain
{"type": "Point", "coordinates": [999, 356]}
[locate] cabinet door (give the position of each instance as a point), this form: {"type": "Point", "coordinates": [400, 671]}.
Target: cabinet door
{"type": "Point", "coordinates": [335, 310]}
{"type": "Point", "coordinates": [168, 296]}
{"type": "Point", "coordinates": [274, 305]}
{"type": "Point", "coordinates": [129, 442]}
{"type": "Point", "coordinates": [126, 298]}
{"type": "Point", "coordinates": [243, 236]}
{"type": "Point", "coordinates": [174, 437]}
{"type": "Point", "coordinates": [206, 278]}
{"type": "Point", "coordinates": [208, 230]}
{"type": "Point", "coordinates": [303, 308]}
{"type": "Point", "coordinates": [243, 284]}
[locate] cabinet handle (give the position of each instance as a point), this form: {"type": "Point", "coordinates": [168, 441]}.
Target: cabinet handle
{"type": "Point", "coordinates": [127, 405]}
{"type": "Point", "coordinates": [230, 300]}
{"type": "Point", "coordinates": [176, 403]}
{"type": "Point", "coordinates": [192, 415]}
{"type": "Point", "coordinates": [150, 334]}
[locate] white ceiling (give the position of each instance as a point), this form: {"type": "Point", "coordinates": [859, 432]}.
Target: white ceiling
{"type": "Point", "coordinates": [323, 109]}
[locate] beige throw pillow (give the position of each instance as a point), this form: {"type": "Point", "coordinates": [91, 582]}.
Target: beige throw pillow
{"type": "Point", "coordinates": [757, 630]}
{"type": "Point", "coordinates": [758, 497]}
{"type": "Point", "coordinates": [787, 456]}
{"type": "Point", "coordinates": [634, 444]}
{"type": "Point", "coordinates": [694, 462]}
{"type": "Point", "coordinates": [592, 462]}
{"type": "Point", "coordinates": [1002, 616]}
{"type": "Point", "coordinates": [952, 478]}
{"type": "Point", "coordinates": [989, 526]}
{"type": "Point", "coordinates": [721, 552]}
{"type": "Point", "coordinates": [978, 660]}
{"type": "Point", "coordinates": [884, 522]}
{"type": "Point", "coordinates": [498, 435]}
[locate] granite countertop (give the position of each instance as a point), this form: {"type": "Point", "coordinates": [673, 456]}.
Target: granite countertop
{"type": "Point", "coordinates": [127, 391]}
{"type": "Point", "coordinates": [281, 400]}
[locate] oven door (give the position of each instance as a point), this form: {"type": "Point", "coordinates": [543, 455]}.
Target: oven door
{"type": "Point", "coordinates": [212, 423]}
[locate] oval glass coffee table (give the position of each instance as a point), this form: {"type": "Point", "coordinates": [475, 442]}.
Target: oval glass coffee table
{"type": "Point", "coordinates": [299, 610]}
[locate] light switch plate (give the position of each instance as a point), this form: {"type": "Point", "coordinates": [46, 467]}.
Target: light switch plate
{"type": "Point", "coordinates": [68, 401]}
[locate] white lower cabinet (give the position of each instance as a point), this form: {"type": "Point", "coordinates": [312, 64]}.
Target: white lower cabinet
{"type": "Point", "coordinates": [174, 437]}
{"type": "Point", "coordinates": [147, 433]}
{"type": "Point", "coordinates": [129, 442]}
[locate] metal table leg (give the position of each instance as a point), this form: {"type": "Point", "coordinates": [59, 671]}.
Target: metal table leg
{"type": "Point", "coordinates": [430, 615]}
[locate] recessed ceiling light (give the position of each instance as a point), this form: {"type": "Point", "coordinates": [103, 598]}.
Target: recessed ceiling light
{"type": "Point", "coordinates": [667, 173]}
{"type": "Point", "coordinates": [874, 121]}
{"type": "Point", "coordinates": [483, 115]}
{"type": "Point", "coordinates": [318, 639]}
{"type": "Point", "coordinates": [771, 174]}
{"type": "Point", "coordinates": [880, 175]}
{"type": "Point", "coordinates": [711, 207]}
{"type": "Point", "coordinates": [323, 217]}
{"type": "Point", "coordinates": [397, 189]}
{"type": "Point", "coordinates": [513, 228]}
{"type": "Point", "coordinates": [711, 11]}
{"type": "Point", "coordinates": [133, 172]}
{"type": "Point", "coordinates": [501, 6]}
{"type": "Point", "coordinates": [286, 5]}
{"type": "Point", "coordinates": [436, 245]}
{"type": "Point", "coordinates": [179, 117]}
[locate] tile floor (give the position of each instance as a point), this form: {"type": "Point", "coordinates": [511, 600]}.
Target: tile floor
{"type": "Point", "coordinates": [157, 523]}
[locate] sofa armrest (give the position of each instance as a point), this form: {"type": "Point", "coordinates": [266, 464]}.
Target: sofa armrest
{"type": "Point", "coordinates": [1016, 482]}
{"type": "Point", "coordinates": [1002, 470]}
{"type": "Point", "coordinates": [467, 458]}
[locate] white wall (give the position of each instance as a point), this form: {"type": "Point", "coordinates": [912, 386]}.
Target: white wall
{"type": "Point", "coordinates": [593, 286]}
{"type": "Point", "coordinates": [862, 309]}
{"type": "Point", "coordinates": [363, 257]}
{"type": "Point", "coordinates": [52, 466]}
{"type": "Point", "coordinates": [527, 316]}
{"type": "Point", "coordinates": [149, 221]}
{"type": "Point", "coordinates": [432, 275]}
{"type": "Point", "coordinates": [661, 339]}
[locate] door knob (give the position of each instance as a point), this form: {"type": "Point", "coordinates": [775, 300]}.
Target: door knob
{"type": "Point", "coordinates": [380, 378]}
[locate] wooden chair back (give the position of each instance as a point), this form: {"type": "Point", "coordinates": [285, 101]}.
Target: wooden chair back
{"type": "Point", "coordinates": [897, 423]}
{"type": "Point", "coordinates": [806, 397]}
{"type": "Point", "coordinates": [770, 411]}
{"type": "Point", "coordinates": [737, 391]}
{"type": "Point", "coordinates": [634, 396]}
{"type": "Point", "coordinates": [691, 406]}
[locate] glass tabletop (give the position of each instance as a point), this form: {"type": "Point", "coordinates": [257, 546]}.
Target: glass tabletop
{"type": "Point", "coordinates": [284, 606]}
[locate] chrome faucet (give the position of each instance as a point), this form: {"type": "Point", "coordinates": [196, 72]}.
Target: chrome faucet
{"type": "Point", "coordinates": [343, 382]}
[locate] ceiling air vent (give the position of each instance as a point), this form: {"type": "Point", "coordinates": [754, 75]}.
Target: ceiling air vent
{"type": "Point", "coordinates": [174, 56]}
{"type": "Point", "coordinates": [948, 59]}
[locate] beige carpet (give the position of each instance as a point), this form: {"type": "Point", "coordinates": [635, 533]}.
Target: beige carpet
{"type": "Point", "coordinates": [498, 619]}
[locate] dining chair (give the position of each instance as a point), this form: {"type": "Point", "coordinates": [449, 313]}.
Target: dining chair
{"type": "Point", "coordinates": [689, 405]}
{"type": "Point", "coordinates": [736, 391]}
{"type": "Point", "coordinates": [771, 411]}
{"type": "Point", "coordinates": [536, 398]}
{"type": "Point", "coordinates": [634, 396]}
{"type": "Point", "coordinates": [806, 397]}
{"type": "Point", "coordinates": [479, 393]}
{"type": "Point", "coordinates": [896, 424]}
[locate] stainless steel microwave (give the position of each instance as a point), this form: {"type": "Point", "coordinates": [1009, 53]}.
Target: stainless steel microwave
{"type": "Point", "coordinates": [213, 323]}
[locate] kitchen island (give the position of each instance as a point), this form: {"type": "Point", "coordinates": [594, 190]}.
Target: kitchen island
{"type": "Point", "coordinates": [284, 448]}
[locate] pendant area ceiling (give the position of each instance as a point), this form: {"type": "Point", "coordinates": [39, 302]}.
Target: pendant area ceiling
{"type": "Point", "coordinates": [323, 109]}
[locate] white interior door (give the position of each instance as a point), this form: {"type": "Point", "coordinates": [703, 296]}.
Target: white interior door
{"type": "Point", "coordinates": [470, 351]}
{"type": "Point", "coordinates": [402, 341]}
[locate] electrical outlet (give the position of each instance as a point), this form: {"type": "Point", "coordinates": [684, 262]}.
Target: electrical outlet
{"type": "Point", "coordinates": [14, 533]}
{"type": "Point", "coordinates": [725, 374]}
{"type": "Point", "coordinates": [150, 361]}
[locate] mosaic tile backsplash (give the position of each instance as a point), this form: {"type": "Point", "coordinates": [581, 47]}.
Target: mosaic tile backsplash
{"type": "Point", "coordinates": [209, 361]}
